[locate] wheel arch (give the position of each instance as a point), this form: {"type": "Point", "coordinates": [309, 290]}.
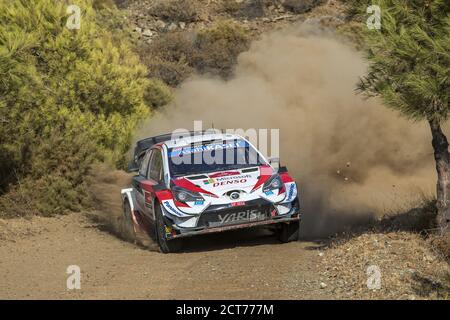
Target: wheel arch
{"type": "Point", "coordinates": [128, 195]}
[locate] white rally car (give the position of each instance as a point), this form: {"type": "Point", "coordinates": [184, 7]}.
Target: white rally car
{"type": "Point", "coordinates": [205, 183]}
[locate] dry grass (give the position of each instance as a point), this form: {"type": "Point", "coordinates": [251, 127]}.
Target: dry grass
{"type": "Point", "coordinates": [231, 7]}
{"type": "Point", "coordinates": [409, 267]}
{"type": "Point", "coordinates": [441, 245]}
{"type": "Point", "coordinates": [413, 260]}
{"type": "Point", "coordinates": [219, 46]}
{"type": "Point", "coordinates": [303, 6]}
{"type": "Point", "coordinates": [170, 57]}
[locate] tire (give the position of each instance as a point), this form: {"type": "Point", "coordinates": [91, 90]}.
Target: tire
{"type": "Point", "coordinates": [127, 224]}
{"type": "Point", "coordinates": [289, 232]}
{"type": "Point", "coordinates": [165, 246]}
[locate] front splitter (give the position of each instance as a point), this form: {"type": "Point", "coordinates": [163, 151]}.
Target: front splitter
{"type": "Point", "coordinates": [190, 233]}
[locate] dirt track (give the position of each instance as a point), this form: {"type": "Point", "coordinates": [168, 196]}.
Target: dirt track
{"type": "Point", "coordinates": [34, 255]}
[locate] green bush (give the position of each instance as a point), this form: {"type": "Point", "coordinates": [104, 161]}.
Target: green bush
{"type": "Point", "coordinates": [170, 72]}
{"type": "Point", "coordinates": [356, 9]}
{"type": "Point", "coordinates": [170, 57]}
{"type": "Point", "coordinates": [158, 94]}
{"type": "Point", "coordinates": [174, 56]}
{"type": "Point", "coordinates": [67, 99]}
{"type": "Point", "coordinates": [103, 4]}
{"type": "Point", "coordinates": [232, 7]}
{"type": "Point", "coordinates": [219, 46]}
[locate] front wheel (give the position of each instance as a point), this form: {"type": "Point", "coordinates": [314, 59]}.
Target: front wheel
{"type": "Point", "coordinates": [289, 231]}
{"type": "Point", "coordinates": [166, 246]}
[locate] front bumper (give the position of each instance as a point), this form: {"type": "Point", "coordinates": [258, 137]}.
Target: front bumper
{"type": "Point", "coordinates": [210, 225]}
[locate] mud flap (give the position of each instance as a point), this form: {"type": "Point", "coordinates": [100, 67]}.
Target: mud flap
{"type": "Point", "coordinates": [289, 231]}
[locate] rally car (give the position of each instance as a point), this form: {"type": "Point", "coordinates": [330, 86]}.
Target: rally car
{"type": "Point", "coordinates": [205, 183]}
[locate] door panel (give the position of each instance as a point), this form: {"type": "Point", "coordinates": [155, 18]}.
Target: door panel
{"type": "Point", "coordinates": [153, 179]}
{"type": "Point", "coordinates": [137, 183]}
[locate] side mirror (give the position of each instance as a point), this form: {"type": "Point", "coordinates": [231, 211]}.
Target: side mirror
{"type": "Point", "coordinates": [132, 167]}
{"type": "Point", "coordinates": [274, 162]}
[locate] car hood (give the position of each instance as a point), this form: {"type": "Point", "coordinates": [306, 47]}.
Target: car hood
{"type": "Point", "coordinates": [220, 182]}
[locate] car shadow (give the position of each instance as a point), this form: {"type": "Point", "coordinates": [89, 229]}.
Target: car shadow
{"type": "Point", "coordinates": [229, 239]}
{"type": "Point", "coordinates": [424, 286]}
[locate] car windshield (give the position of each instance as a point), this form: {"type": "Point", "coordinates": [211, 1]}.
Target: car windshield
{"type": "Point", "coordinates": [211, 156]}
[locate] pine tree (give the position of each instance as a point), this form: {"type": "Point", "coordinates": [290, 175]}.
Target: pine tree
{"type": "Point", "coordinates": [409, 67]}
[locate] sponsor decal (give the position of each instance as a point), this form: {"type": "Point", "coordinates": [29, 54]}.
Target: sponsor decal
{"type": "Point", "coordinates": [237, 204]}
{"type": "Point", "coordinates": [224, 174]}
{"type": "Point", "coordinates": [268, 193]}
{"type": "Point", "coordinates": [223, 183]}
{"type": "Point", "coordinates": [199, 202]}
{"type": "Point", "coordinates": [225, 180]}
{"type": "Point", "coordinates": [209, 181]}
{"type": "Point", "coordinates": [214, 146]}
{"type": "Point", "coordinates": [172, 209]}
{"type": "Point", "coordinates": [247, 215]}
{"type": "Point", "coordinates": [291, 192]}
{"type": "Point", "coordinates": [244, 176]}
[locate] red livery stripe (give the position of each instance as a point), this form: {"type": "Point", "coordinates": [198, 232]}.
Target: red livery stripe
{"type": "Point", "coordinates": [164, 195]}
{"type": "Point", "coordinates": [286, 178]}
{"type": "Point", "coordinates": [181, 204]}
{"type": "Point", "coordinates": [265, 173]}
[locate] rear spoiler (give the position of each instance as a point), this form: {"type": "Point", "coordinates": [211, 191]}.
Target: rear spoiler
{"type": "Point", "coordinates": [143, 145]}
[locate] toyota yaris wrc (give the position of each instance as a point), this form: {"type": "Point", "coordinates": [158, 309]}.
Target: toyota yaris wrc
{"type": "Point", "coordinates": [205, 183]}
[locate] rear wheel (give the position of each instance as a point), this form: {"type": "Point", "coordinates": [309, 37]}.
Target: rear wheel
{"type": "Point", "coordinates": [289, 231]}
{"type": "Point", "coordinates": [127, 224]}
{"type": "Point", "coordinates": [166, 246]}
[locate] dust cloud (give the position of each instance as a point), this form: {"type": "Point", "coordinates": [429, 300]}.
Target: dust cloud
{"type": "Point", "coordinates": [105, 186]}
{"type": "Point", "coordinates": [353, 159]}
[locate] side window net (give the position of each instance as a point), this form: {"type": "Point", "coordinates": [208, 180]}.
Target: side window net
{"type": "Point", "coordinates": [144, 165]}
{"type": "Point", "coordinates": [156, 166]}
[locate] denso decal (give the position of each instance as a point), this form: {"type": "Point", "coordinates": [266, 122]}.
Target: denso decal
{"type": "Point", "coordinates": [223, 183]}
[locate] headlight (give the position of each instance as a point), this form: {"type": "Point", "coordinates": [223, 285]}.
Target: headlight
{"type": "Point", "coordinates": [273, 183]}
{"type": "Point", "coordinates": [183, 195]}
